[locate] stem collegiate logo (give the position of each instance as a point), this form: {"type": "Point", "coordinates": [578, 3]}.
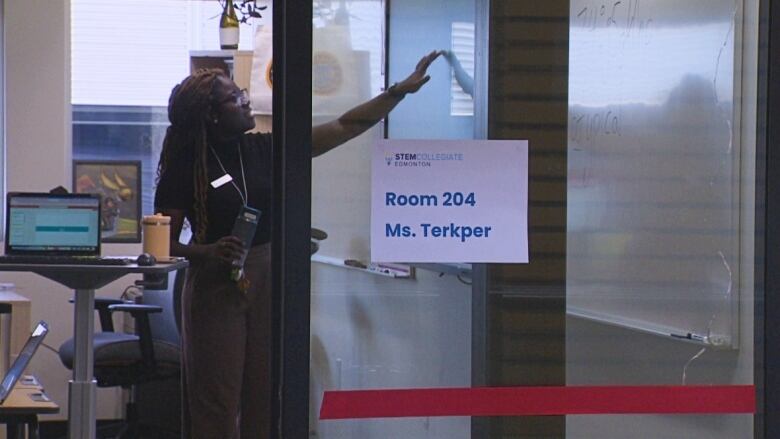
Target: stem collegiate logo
{"type": "Point", "coordinates": [419, 159]}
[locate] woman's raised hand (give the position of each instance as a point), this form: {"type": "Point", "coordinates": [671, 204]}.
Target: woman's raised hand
{"type": "Point", "coordinates": [419, 76]}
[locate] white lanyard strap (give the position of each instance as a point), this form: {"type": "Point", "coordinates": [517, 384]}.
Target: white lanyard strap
{"type": "Point", "coordinates": [244, 195]}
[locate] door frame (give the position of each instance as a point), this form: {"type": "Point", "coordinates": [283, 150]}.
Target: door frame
{"type": "Point", "coordinates": [291, 218]}
{"type": "Point", "coordinates": [767, 255]}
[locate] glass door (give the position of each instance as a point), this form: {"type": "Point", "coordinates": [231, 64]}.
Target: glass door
{"type": "Point", "coordinates": [644, 250]}
{"type": "Point", "coordinates": [388, 325]}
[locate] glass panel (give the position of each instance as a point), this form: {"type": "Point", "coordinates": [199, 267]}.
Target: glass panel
{"type": "Point", "coordinates": [448, 107]}
{"type": "Point", "coordinates": [378, 326]}
{"type": "Point", "coordinates": [121, 80]}
{"type": "Point", "coordinates": [641, 207]}
{"type": "Point", "coordinates": [660, 248]}
{"type": "Point", "coordinates": [126, 58]}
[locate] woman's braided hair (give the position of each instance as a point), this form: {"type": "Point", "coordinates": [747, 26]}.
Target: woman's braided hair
{"type": "Point", "coordinates": [186, 142]}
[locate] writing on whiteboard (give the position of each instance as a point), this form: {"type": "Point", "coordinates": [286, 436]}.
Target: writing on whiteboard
{"type": "Point", "coordinates": [626, 16]}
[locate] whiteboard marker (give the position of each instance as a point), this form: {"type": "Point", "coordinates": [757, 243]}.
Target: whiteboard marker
{"type": "Point", "coordinates": [697, 337]}
{"type": "Point", "coordinates": [690, 336]}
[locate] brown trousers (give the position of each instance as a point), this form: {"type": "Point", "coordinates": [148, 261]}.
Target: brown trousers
{"type": "Point", "coordinates": [226, 338]}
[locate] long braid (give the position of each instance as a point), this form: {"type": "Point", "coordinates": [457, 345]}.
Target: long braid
{"type": "Point", "coordinates": [186, 139]}
{"type": "Point", "coordinates": [200, 177]}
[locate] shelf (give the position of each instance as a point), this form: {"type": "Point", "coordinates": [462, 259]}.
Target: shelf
{"type": "Point", "coordinates": [218, 53]}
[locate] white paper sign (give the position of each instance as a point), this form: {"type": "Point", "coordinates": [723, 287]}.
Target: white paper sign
{"type": "Point", "coordinates": [449, 201]}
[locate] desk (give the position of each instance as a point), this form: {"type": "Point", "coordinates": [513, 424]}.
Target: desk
{"type": "Point", "coordinates": [20, 408]}
{"type": "Point", "coordinates": [84, 280]}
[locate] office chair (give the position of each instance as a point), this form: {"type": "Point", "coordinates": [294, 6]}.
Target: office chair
{"type": "Point", "coordinates": [127, 360]}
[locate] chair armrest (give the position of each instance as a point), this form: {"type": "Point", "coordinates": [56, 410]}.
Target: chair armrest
{"type": "Point", "coordinates": [135, 309]}
{"type": "Point", "coordinates": [106, 301]}
{"type": "Point", "coordinates": [144, 329]}
{"type": "Point", "coordinates": [101, 306]}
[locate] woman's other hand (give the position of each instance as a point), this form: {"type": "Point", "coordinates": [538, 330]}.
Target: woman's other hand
{"type": "Point", "coordinates": [227, 249]}
{"type": "Point", "coordinates": [419, 76]}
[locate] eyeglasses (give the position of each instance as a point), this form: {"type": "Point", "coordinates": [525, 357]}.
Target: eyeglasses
{"type": "Point", "coordinates": [241, 98]}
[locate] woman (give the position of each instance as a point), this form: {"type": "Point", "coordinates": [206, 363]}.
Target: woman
{"type": "Point", "coordinates": [209, 168]}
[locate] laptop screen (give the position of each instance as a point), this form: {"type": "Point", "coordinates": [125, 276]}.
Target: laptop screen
{"type": "Point", "coordinates": [52, 224]}
{"type": "Point", "coordinates": [23, 359]}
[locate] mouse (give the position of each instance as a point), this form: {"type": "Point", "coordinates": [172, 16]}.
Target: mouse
{"type": "Point", "coordinates": [146, 260]}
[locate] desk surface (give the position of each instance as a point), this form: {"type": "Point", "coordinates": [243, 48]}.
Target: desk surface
{"type": "Point", "coordinates": [20, 401]}
{"type": "Point", "coordinates": [128, 268]}
{"type": "Point", "coordinates": [90, 277]}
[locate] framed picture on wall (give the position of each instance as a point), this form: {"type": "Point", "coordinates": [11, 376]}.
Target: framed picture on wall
{"type": "Point", "coordinates": [119, 185]}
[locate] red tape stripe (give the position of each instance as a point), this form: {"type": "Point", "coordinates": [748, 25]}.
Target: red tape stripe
{"type": "Point", "coordinates": [538, 401]}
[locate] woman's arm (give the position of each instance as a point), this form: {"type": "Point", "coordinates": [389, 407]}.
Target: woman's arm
{"type": "Point", "coordinates": [226, 249]}
{"type": "Point", "coordinates": [465, 80]}
{"type": "Point", "coordinates": [357, 120]}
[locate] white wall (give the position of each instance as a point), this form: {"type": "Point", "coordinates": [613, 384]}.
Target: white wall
{"type": "Point", "coordinates": [38, 158]}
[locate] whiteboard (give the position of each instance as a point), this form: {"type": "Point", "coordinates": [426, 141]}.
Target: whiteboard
{"type": "Point", "coordinates": [653, 166]}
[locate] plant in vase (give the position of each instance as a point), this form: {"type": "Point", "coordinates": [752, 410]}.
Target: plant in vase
{"type": "Point", "coordinates": [234, 13]}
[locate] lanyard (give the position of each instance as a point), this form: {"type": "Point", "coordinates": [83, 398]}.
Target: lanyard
{"type": "Point", "coordinates": [244, 195]}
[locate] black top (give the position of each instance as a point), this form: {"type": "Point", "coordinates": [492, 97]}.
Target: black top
{"type": "Point", "coordinates": [176, 189]}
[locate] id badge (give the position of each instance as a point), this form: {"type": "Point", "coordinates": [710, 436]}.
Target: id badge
{"type": "Point", "coordinates": [221, 181]}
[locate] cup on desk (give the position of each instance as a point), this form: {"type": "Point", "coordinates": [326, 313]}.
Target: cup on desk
{"type": "Point", "coordinates": [157, 236]}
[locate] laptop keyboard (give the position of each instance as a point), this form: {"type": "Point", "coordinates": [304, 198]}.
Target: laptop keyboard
{"type": "Point", "coordinates": [61, 260]}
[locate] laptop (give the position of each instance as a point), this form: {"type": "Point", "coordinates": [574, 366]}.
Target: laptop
{"type": "Point", "coordinates": [23, 359]}
{"type": "Point", "coordinates": [45, 228]}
